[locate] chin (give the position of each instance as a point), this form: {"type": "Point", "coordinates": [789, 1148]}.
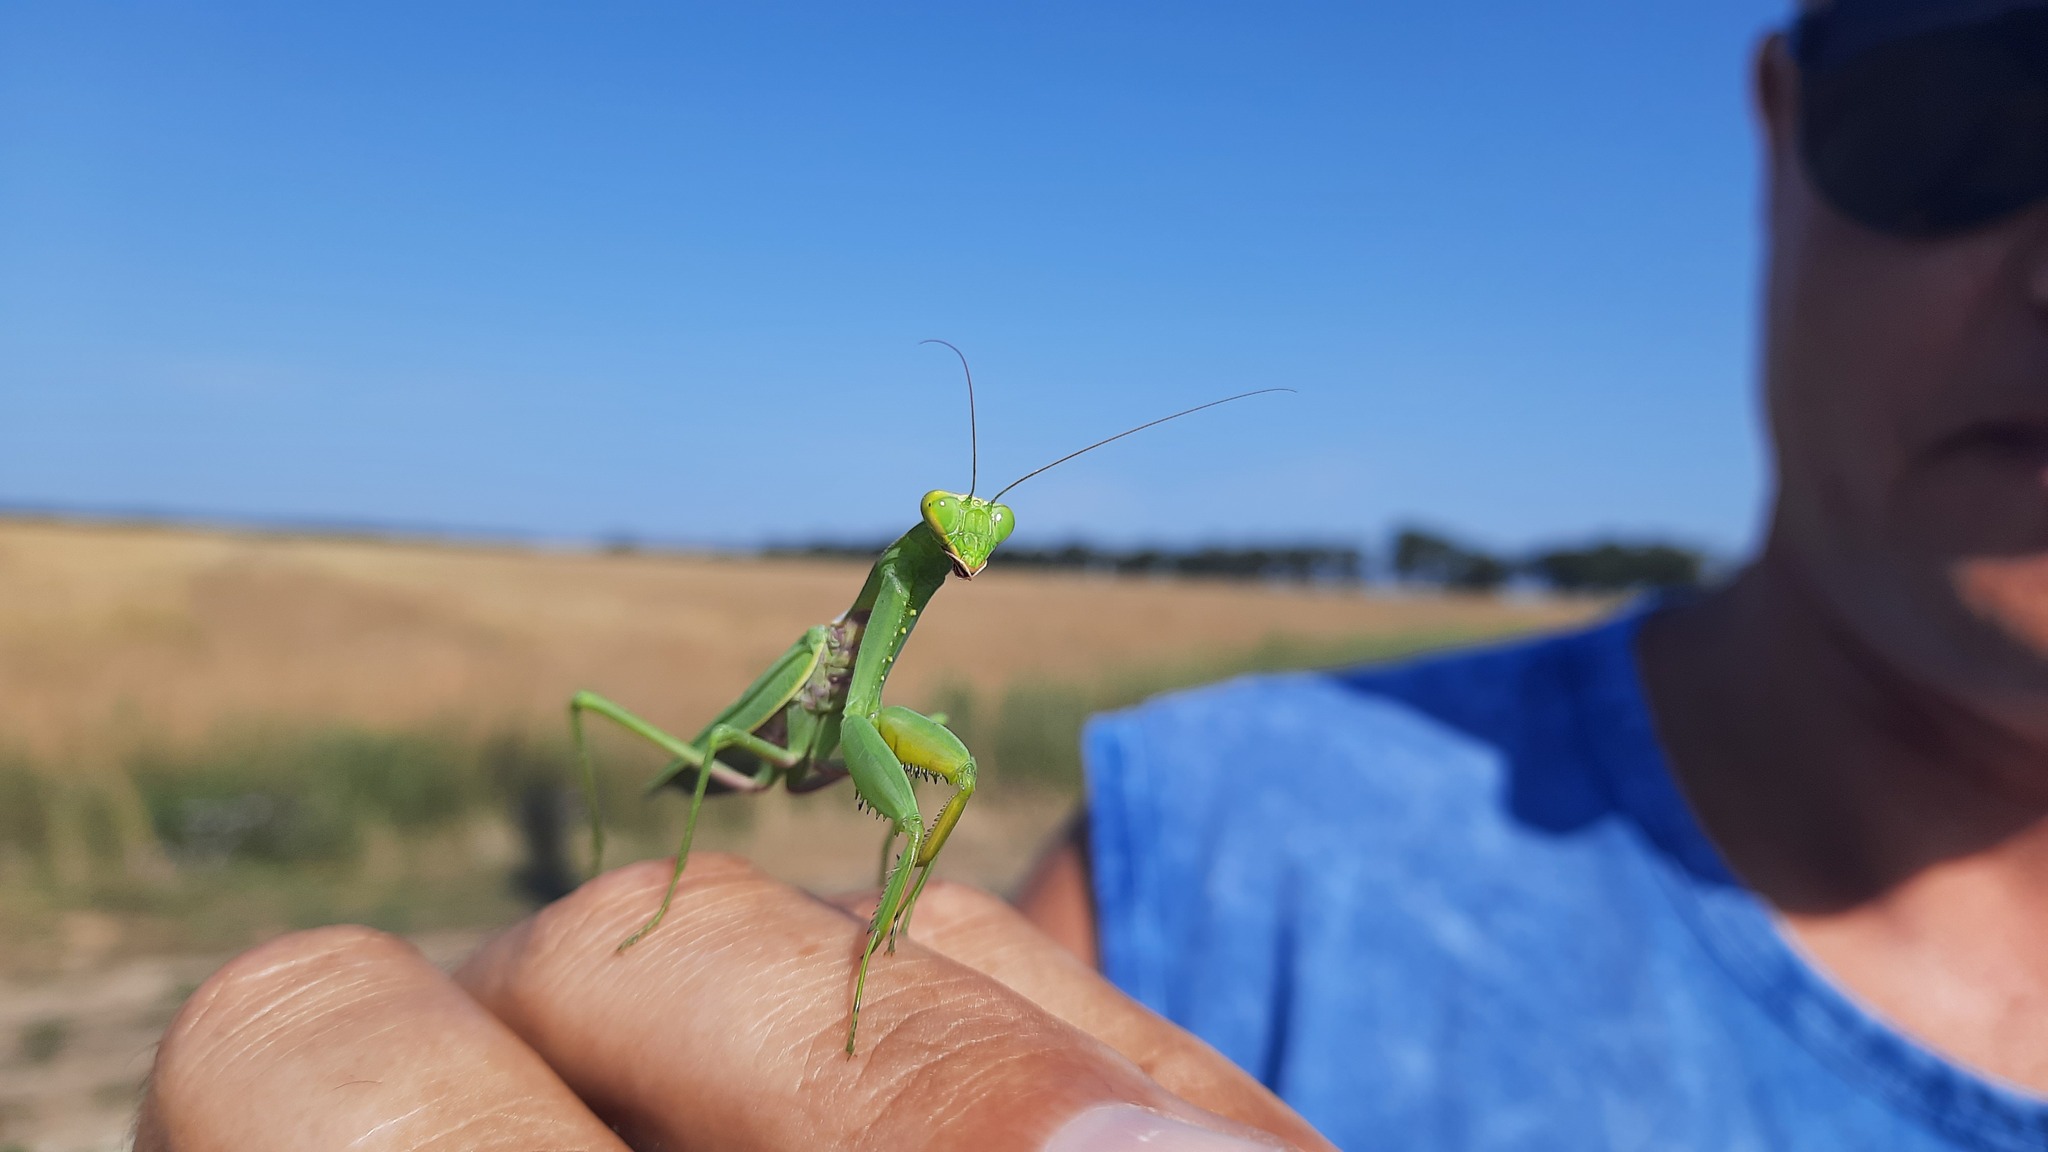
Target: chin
{"type": "Point", "coordinates": [2009, 594]}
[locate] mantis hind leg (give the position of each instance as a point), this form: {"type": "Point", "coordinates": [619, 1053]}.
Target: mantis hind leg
{"type": "Point", "coordinates": [770, 692]}
{"type": "Point", "coordinates": [702, 755]}
{"type": "Point", "coordinates": [682, 756]}
{"type": "Point", "coordinates": [721, 736]}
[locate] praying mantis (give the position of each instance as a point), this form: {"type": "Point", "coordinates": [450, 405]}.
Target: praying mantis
{"type": "Point", "coordinates": [816, 714]}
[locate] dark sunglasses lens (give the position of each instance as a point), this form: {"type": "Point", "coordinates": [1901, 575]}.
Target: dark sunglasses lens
{"type": "Point", "coordinates": [1935, 135]}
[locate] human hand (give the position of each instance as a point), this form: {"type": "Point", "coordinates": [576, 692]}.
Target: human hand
{"type": "Point", "coordinates": [723, 1029]}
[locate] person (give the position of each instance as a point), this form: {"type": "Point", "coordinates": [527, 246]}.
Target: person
{"type": "Point", "coordinates": [1762, 868]}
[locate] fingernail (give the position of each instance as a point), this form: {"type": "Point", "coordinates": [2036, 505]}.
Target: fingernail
{"type": "Point", "coordinates": [1129, 1128]}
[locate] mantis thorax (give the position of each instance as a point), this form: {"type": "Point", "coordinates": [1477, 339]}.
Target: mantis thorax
{"type": "Point", "coordinates": [968, 527]}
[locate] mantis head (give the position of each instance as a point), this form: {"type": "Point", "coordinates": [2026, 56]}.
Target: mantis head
{"type": "Point", "coordinates": [969, 528]}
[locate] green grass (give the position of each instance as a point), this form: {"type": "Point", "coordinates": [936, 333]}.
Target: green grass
{"type": "Point", "coordinates": [44, 1040]}
{"type": "Point", "coordinates": [263, 829]}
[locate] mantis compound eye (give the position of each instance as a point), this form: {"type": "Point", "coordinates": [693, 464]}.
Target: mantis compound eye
{"type": "Point", "coordinates": [944, 512]}
{"type": "Point", "coordinates": [1001, 522]}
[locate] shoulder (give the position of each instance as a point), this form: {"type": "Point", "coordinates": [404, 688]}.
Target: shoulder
{"type": "Point", "coordinates": [1363, 739]}
{"type": "Point", "coordinates": [1294, 831]}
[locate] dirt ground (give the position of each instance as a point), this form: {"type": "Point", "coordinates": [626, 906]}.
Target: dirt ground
{"type": "Point", "coordinates": [81, 1043]}
{"type": "Point", "coordinates": [76, 1044]}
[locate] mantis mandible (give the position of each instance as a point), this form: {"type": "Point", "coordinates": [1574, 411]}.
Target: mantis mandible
{"type": "Point", "coordinates": [816, 715]}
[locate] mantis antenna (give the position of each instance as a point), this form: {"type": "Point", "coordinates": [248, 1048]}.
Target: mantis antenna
{"type": "Point", "coordinates": [973, 436]}
{"type": "Point", "coordinates": [1130, 432]}
{"type": "Point", "coordinates": [882, 748]}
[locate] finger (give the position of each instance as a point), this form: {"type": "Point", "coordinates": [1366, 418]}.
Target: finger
{"type": "Point", "coordinates": [1056, 896]}
{"type": "Point", "coordinates": [988, 935]}
{"type": "Point", "coordinates": [348, 1038]}
{"type": "Point", "coordinates": [725, 1028]}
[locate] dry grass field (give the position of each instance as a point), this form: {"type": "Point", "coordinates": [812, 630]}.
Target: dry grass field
{"type": "Point", "coordinates": [113, 634]}
{"type": "Point", "coordinates": [140, 665]}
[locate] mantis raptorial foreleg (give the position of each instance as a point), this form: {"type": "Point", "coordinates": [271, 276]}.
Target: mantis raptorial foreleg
{"type": "Point", "coordinates": [888, 842]}
{"type": "Point", "coordinates": [822, 699]}
{"type": "Point", "coordinates": [885, 787]}
{"type": "Point", "coordinates": [924, 744]}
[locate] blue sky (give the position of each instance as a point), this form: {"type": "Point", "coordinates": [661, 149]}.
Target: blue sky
{"type": "Point", "coordinates": [580, 270]}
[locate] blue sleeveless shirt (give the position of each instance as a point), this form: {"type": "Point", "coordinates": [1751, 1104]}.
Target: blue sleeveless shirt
{"type": "Point", "coordinates": [1461, 904]}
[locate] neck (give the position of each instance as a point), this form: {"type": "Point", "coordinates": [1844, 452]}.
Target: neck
{"type": "Point", "coordinates": [901, 583]}
{"type": "Point", "coordinates": [916, 558]}
{"type": "Point", "coordinates": [1827, 778]}
{"type": "Point", "coordinates": [1901, 836]}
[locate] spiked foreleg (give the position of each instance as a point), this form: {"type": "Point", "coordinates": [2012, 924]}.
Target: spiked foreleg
{"type": "Point", "coordinates": [883, 786]}
{"type": "Point", "coordinates": [888, 844]}
{"type": "Point", "coordinates": [926, 746]}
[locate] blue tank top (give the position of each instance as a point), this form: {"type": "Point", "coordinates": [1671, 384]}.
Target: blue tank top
{"type": "Point", "coordinates": [1460, 904]}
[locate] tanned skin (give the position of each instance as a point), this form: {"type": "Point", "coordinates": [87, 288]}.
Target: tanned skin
{"type": "Point", "coordinates": [1861, 719]}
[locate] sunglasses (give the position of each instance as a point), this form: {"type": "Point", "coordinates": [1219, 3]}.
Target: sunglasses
{"type": "Point", "coordinates": [1929, 135]}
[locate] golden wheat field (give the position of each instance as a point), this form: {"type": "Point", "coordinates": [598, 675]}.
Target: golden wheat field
{"type": "Point", "coordinates": [108, 634]}
{"type": "Point", "coordinates": [125, 648]}
{"type": "Point", "coordinates": [126, 641]}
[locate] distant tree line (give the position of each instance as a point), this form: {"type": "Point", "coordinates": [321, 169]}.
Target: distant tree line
{"type": "Point", "coordinates": [1300, 563]}
{"type": "Point", "coordinates": [1415, 556]}
{"type": "Point", "coordinates": [1421, 557]}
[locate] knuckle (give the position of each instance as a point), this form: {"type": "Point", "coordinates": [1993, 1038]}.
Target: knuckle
{"type": "Point", "coordinates": [951, 904]}
{"type": "Point", "coordinates": [638, 885]}
{"type": "Point", "coordinates": [608, 907]}
{"type": "Point", "coordinates": [617, 884]}
{"type": "Point", "coordinates": [993, 1044]}
{"type": "Point", "coordinates": [272, 990]}
{"type": "Point", "coordinates": [258, 974]}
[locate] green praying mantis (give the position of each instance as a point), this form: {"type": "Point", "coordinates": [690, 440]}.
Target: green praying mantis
{"type": "Point", "coordinates": [816, 714]}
